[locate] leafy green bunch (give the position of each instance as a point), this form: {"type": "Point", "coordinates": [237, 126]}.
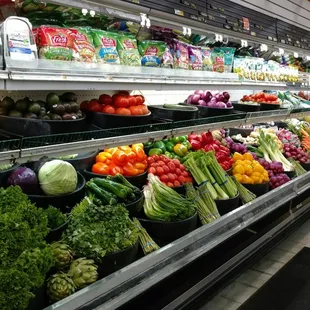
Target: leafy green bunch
{"type": "Point", "coordinates": [55, 218]}
{"type": "Point", "coordinates": [100, 230]}
{"type": "Point", "coordinates": [25, 258]}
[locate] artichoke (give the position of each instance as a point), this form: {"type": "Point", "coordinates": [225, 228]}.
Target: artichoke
{"type": "Point", "coordinates": [83, 272]}
{"type": "Point", "coordinates": [62, 255]}
{"type": "Point", "coordinates": [59, 286]}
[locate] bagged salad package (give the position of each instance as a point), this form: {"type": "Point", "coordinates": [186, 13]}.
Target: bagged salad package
{"type": "Point", "coordinates": [84, 49]}
{"type": "Point", "coordinates": [105, 43]}
{"type": "Point", "coordinates": [151, 53]}
{"type": "Point", "coordinates": [229, 53]}
{"type": "Point", "coordinates": [56, 43]}
{"type": "Point", "coordinates": [181, 56]}
{"type": "Point", "coordinates": [206, 59]}
{"type": "Point", "coordinates": [128, 50]}
{"type": "Point", "coordinates": [195, 57]}
{"type": "Point", "coordinates": [217, 57]}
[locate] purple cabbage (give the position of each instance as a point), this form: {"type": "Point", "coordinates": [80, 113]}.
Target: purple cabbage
{"type": "Point", "coordinates": [26, 179]}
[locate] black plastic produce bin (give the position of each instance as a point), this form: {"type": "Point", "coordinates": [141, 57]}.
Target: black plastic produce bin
{"type": "Point", "coordinates": [159, 112]}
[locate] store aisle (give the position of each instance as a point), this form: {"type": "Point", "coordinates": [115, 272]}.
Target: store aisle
{"type": "Point", "coordinates": [235, 294]}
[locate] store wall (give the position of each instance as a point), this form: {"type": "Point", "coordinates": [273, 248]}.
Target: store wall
{"type": "Point", "coordinates": [295, 12]}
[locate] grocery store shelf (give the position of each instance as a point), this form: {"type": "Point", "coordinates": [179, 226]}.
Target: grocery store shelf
{"type": "Point", "coordinates": [33, 149]}
{"type": "Point", "coordinates": [3, 77]}
{"type": "Point", "coordinates": [122, 286]}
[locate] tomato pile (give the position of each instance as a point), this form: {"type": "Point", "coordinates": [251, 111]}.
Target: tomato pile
{"type": "Point", "coordinates": [170, 171]}
{"type": "Point", "coordinates": [126, 160]}
{"type": "Point", "coordinates": [121, 103]}
{"type": "Point", "coordinates": [261, 97]}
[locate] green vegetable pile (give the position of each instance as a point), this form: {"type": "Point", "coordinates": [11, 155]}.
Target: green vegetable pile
{"type": "Point", "coordinates": [162, 203]}
{"type": "Point", "coordinates": [112, 190]}
{"type": "Point", "coordinates": [97, 231]}
{"type": "Point", "coordinates": [55, 218]}
{"type": "Point", "coordinates": [25, 258]}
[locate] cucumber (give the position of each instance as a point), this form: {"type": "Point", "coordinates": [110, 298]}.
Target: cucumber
{"type": "Point", "coordinates": [179, 108]}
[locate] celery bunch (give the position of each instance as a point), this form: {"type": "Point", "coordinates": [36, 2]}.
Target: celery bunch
{"type": "Point", "coordinates": [162, 203]}
{"type": "Point", "coordinates": [245, 195]}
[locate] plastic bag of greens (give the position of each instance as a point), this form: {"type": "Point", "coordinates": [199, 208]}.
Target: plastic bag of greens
{"type": "Point", "coordinates": [206, 59]}
{"type": "Point", "coordinates": [128, 50]}
{"type": "Point", "coordinates": [181, 56]}
{"type": "Point", "coordinates": [105, 44]}
{"type": "Point", "coordinates": [167, 61]}
{"type": "Point", "coordinates": [218, 61]}
{"type": "Point", "coordinates": [195, 58]}
{"type": "Point", "coordinates": [83, 45]}
{"type": "Point", "coordinates": [151, 53]}
{"type": "Point", "coordinates": [229, 53]}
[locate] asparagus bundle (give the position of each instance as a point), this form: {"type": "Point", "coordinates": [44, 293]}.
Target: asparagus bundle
{"type": "Point", "coordinates": [245, 195]}
{"type": "Point", "coordinates": [298, 168]}
{"type": "Point", "coordinates": [147, 244]}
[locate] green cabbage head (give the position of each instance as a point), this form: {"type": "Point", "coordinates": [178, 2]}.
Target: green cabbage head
{"type": "Point", "coordinates": [57, 177]}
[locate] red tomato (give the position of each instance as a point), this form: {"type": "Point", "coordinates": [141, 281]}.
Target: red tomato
{"type": "Point", "coordinates": [136, 110]}
{"type": "Point", "coordinates": [185, 174]}
{"type": "Point", "coordinates": [108, 109]}
{"type": "Point", "coordinates": [170, 184]}
{"type": "Point", "coordinates": [182, 167]}
{"type": "Point", "coordinates": [176, 183]}
{"type": "Point", "coordinates": [171, 166]}
{"type": "Point", "coordinates": [161, 163]}
{"type": "Point", "coordinates": [132, 101]}
{"type": "Point", "coordinates": [143, 108]}
{"type": "Point", "coordinates": [139, 99]}
{"type": "Point", "coordinates": [84, 105]}
{"type": "Point", "coordinates": [178, 171]}
{"type": "Point", "coordinates": [182, 179]}
{"type": "Point", "coordinates": [105, 99]}
{"type": "Point", "coordinates": [122, 111]}
{"type": "Point", "coordinates": [164, 178]}
{"type": "Point", "coordinates": [155, 165]}
{"type": "Point", "coordinates": [150, 160]}
{"type": "Point", "coordinates": [120, 102]}
{"type": "Point", "coordinates": [152, 170]}
{"type": "Point", "coordinates": [171, 177]}
{"type": "Point", "coordinates": [94, 105]}
{"type": "Point", "coordinates": [176, 162]}
{"type": "Point", "coordinates": [123, 93]}
{"type": "Point", "coordinates": [166, 169]}
{"type": "Point", "coordinates": [160, 171]}
{"type": "Point", "coordinates": [156, 157]}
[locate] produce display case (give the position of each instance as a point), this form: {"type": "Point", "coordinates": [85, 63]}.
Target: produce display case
{"type": "Point", "coordinates": [140, 283]}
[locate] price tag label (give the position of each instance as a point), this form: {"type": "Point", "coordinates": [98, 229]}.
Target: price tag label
{"type": "Point", "coordinates": [218, 37]}
{"type": "Point", "coordinates": [178, 12]}
{"type": "Point", "coordinates": [244, 43]}
{"type": "Point", "coordinates": [246, 23]}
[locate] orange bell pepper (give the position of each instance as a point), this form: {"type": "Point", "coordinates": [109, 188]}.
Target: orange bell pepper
{"type": "Point", "coordinates": [138, 149]}
{"type": "Point", "coordinates": [125, 148]}
{"type": "Point", "coordinates": [130, 170]}
{"type": "Point", "coordinates": [120, 158]}
{"type": "Point", "coordinates": [101, 168]}
{"type": "Point", "coordinates": [139, 166]}
{"type": "Point", "coordinates": [114, 170]}
{"type": "Point", "coordinates": [111, 150]}
{"type": "Point", "coordinates": [102, 157]}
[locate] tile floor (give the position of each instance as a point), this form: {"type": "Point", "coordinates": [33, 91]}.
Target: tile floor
{"type": "Point", "coordinates": [252, 279]}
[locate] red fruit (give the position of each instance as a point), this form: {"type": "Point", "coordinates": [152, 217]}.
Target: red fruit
{"type": "Point", "coordinates": [156, 157]}
{"type": "Point", "coordinates": [178, 171]}
{"type": "Point", "coordinates": [164, 178]}
{"type": "Point", "coordinates": [120, 102]}
{"type": "Point", "coordinates": [108, 109]}
{"type": "Point", "coordinates": [94, 105]}
{"type": "Point", "coordinates": [185, 174]}
{"type": "Point", "coordinates": [171, 166]}
{"type": "Point", "coordinates": [176, 183]}
{"type": "Point", "coordinates": [160, 171]}
{"type": "Point", "coordinates": [132, 101]}
{"type": "Point", "coordinates": [166, 169]}
{"type": "Point", "coordinates": [152, 170]}
{"type": "Point", "coordinates": [161, 163]}
{"type": "Point", "coordinates": [171, 177]}
{"type": "Point", "coordinates": [169, 184]}
{"type": "Point", "coordinates": [105, 99]}
{"type": "Point", "coordinates": [176, 162]}
{"type": "Point", "coordinates": [139, 99]}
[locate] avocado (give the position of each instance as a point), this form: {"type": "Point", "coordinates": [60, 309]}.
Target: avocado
{"type": "Point", "coordinates": [41, 103]}
{"type": "Point", "coordinates": [15, 113]}
{"type": "Point", "coordinates": [74, 116]}
{"type": "Point", "coordinates": [2, 111]}
{"type": "Point", "coordinates": [34, 108]}
{"type": "Point", "coordinates": [67, 107]}
{"type": "Point", "coordinates": [52, 99]}
{"type": "Point", "coordinates": [67, 116]}
{"type": "Point", "coordinates": [69, 96]}
{"type": "Point", "coordinates": [45, 117]}
{"type": "Point", "coordinates": [30, 115]}
{"type": "Point", "coordinates": [21, 105]}
{"type": "Point", "coordinates": [58, 109]}
{"type": "Point", "coordinates": [55, 117]}
{"type": "Point", "coordinates": [79, 114]}
{"type": "Point", "coordinates": [8, 103]}
{"type": "Point", "coordinates": [74, 106]}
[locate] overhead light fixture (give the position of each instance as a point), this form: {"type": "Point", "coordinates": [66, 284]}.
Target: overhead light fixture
{"type": "Point", "coordinates": [263, 48]}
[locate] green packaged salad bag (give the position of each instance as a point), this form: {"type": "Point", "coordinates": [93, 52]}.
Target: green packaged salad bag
{"type": "Point", "coordinates": [105, 43]}
{"type": "Point", "coordinates": [151, 53]}
{"type": "Point", "coordinates": [128, 50]}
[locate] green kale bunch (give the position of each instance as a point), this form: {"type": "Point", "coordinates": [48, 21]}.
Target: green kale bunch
{"type": "Point", "coordinates": [25, 258]}
{"type": "Point", "coordinates": [100, 230]}
{"type": "Point", "coordinates": [55, 218]}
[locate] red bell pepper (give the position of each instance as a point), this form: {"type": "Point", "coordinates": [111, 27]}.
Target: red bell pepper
{"type": "Point", "coordinates": [207, 137]}
{"type": "Point", "coordinates": [196, 145]}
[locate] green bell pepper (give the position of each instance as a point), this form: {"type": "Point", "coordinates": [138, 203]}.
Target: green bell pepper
{"type": "Point", "coordinates": [160, 145]}
{"type": "Point", "coordinates": [187, 144]}
{"type": "Point", "coordinates": [155, 151]}
{"type": "Point", "coordinates": [169, 155]}
{"type": "Point", "coordinates": [180, 139]}
{"type": "Point", "coordinates": [169, 146]}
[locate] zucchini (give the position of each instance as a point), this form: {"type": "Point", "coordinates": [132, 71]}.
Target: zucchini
{"type": "Point", "coordinates": [120, 190]}
{"type": "Point", "coordinates": [179, 107]}
{"type": "Point", "coordinates": [105, 196]}
{"type": "Point", "coordinates": [122, 180]}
